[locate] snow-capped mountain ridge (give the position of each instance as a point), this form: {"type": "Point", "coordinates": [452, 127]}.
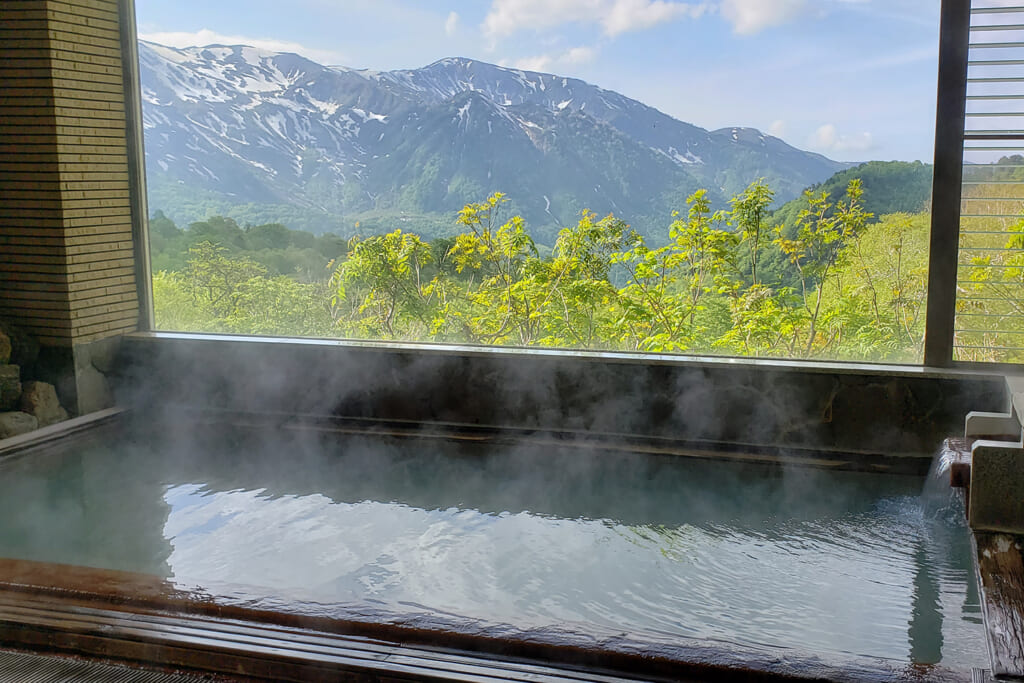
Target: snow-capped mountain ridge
{"type": "Point", "coordinates": [276, 127]}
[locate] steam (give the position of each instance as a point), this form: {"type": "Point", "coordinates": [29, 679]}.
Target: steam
{"type": "Point", "coordinates": [512, 536]}
{"type": "Point", "coordinates": [318, 472]}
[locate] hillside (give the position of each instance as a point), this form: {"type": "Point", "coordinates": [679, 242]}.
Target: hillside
{"type": "Point", "coordinates": [889, 187]}
{"type": "Point", "coordinates": [274, 137]}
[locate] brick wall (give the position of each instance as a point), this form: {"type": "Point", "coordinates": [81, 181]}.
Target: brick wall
{"type": "Point", "coordinates": [67, 269]}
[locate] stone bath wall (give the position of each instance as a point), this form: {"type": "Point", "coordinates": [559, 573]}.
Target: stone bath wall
{"type": "Point", "coordinates": [26, 404]}
{"type": "Point", "coordinates": [829, 408]}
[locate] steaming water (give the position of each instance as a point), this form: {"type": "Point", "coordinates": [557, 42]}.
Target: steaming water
{"type": "Point", "coordinates": [832, 564]}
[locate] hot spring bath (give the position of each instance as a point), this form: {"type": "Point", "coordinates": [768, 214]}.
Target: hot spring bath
{"type": "Point", "coordinates": [520, 539]}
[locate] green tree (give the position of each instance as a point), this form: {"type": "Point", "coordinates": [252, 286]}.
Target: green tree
{"type": "Point", "coordinates": [500, 259]}
{"type": "Point", "coordinates": [574, 297]}
{"type": "Point", "coordinates": [382, 284]}
{"type": "Point", "coordinates": [214, 277]}
{"type": "Point", "coordinates": [667, 286]}
{"type": "Point", "coordinates": [860, 285]}
{"type": "Point", "coordinates": [747, 218]}
{"type": "Point", "coordinates": [822, 231]}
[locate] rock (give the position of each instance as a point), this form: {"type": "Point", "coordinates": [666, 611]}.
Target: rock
{"type": "Point", "coordinates": [5, 348]}
{"type": "Point", "coordinates": [24, 347]}
{"type": "Point", "coordinates": [39, 399]}
{"type": "Point", "coordinates": [93, 391]}
{"type": "Point", "coordinates": [13, 424]}
{"type": "Point", "coordinates": [10, 386]}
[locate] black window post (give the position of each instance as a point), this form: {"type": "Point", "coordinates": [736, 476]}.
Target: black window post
{"type": "Point", "coordinates": [950, 115]}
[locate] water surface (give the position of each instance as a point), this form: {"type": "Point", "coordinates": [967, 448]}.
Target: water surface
{"type": "Point", "coordinates": [826, 563]}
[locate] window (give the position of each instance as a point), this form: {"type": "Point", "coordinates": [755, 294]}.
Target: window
{"type": "Point", "coordinates": [657, 157]}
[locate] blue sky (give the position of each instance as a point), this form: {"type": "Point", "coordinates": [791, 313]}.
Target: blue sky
{"type": "Point", "coordinates": [851, 79]}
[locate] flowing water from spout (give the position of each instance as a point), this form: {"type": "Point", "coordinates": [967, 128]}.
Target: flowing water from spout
{"type": "Point", "coordinates": [940, 500]}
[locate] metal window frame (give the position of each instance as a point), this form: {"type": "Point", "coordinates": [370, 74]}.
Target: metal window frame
{"type": "Point", "coordinates": [136, 163]}
{"type": "Point", "coordinates": [947, 178]}
{"type": "Point", "coordinates": [947, 170]}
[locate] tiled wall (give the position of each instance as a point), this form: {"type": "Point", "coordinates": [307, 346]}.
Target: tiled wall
{"type": "Point", "coordinates": [67, 270]}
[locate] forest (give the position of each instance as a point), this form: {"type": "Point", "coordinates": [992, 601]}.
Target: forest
{"type": "Point", "coordinates": [834, 282]}
{"type": "Point", "coordinates": [836, 274]}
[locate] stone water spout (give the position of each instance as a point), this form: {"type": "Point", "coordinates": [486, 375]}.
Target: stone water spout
{"type": "Point", "coordinates": [996, 500]}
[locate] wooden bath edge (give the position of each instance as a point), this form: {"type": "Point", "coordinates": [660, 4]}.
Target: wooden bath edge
{"type": "Point", "coordinates": [145, 619]}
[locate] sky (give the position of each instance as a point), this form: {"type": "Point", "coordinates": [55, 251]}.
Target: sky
{"type": "Point", "coordinates": [851, 79]}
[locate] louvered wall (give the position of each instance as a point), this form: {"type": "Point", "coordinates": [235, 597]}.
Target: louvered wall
{"type": "Point", "coordinates": [67, 271]}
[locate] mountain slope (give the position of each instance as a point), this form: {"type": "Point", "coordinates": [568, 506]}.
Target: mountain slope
{"type": "Point", "coordinates": [889, 187]}
{"type": "Point", "coordinates": [275, 132]}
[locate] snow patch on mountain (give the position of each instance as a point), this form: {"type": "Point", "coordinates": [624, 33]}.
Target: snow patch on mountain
{"type": "Point", "coordinates": [259, 126]}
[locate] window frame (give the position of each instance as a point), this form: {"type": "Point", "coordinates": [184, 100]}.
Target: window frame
{"type": "Point", "coordinates": [947, 176]}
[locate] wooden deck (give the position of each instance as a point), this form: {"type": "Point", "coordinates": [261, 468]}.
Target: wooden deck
{"type": "Point", "coordinates": [1001, 577]}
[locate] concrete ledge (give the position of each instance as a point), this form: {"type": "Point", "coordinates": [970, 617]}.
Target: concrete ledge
{"type": "Point", "coordinates": [997, 487]}
{"type": "Point", "coordinates": [47, 436]}
{"type": "Point", "coordinates": [853, 408]}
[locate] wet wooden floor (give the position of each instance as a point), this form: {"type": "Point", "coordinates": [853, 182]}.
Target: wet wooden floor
{"type": "Point", "coordinates": [1001, 577]}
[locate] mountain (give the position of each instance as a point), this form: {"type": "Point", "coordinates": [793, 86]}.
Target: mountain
{"type": "Point", "coordinates": [276, 137]}
{"type": "Point", "coordinates": [889, 187]}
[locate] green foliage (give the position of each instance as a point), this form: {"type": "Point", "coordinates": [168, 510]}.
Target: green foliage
{"type": "Point", "coordinates": [858, 284]}
{"type": "Point", "coordinates": [889, 187]}
{"type": "Point", "coordinates": [749, 212]}
{"type": "Point", "coordinates": [214, 278]}
{"type": "Point", "coordinates": [990, 301]}
{"type": "Point", "coordinates": [822, 230]}
{"type": "Point", "coordinates": [382, 283]}
{"type": "Point", "coordinates": [880, 297]}
{"type": "Point", "coordinates": [217, 293]}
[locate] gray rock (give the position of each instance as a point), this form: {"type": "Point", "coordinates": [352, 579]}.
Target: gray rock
{"type": "Point", "coordinates": [24, 347]}
{"type": "Point", "coordinates": [93, 391]}
{"type": "Point", "coordinates": [5, 348]}
{"type": "Point", "coordinates": [10, 386]}
{"type": "Point", "coordinates": [13, 424]}
{"type": "Point", "coordinates": [39, 399]}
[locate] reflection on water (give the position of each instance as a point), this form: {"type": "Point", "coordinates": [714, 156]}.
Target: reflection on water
{"type": "Point", "coordinates": [534, 537]}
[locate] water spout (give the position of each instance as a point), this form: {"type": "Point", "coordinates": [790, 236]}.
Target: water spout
{"type": "Point", "coordinates": [942, 497]}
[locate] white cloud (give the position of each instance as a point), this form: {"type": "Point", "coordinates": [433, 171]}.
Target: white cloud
{"type": "Point", "coordinates": [777, 129]}
{"type": "Point", "coordinates": [508, 16]}
{"type": "Point", "coordinates": [451, 25]}
{"type": "Point", "coordinates": [828, 139]}
{"type": "Point", "coordinates": [205, 36]}
{"type": "Point", "coordinates": [751, 16]}
{"type": "Point", "coordinates": [614, 16]}
{"type": "Point", "coordinates": [634, 15]}
{"type": "Point", "coordinates": [571, 57]}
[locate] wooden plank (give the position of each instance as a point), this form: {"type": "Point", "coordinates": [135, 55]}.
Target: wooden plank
{"type": "Point", "coordinates": [1001, 577]}
{"type": "Point", "coordinates": [18, 110]}
{"type": "Point", "coordinates": [134, 616]}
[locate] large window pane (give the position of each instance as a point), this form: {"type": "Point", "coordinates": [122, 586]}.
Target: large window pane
{"type": "Point", "coordinates": [724, 178]}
